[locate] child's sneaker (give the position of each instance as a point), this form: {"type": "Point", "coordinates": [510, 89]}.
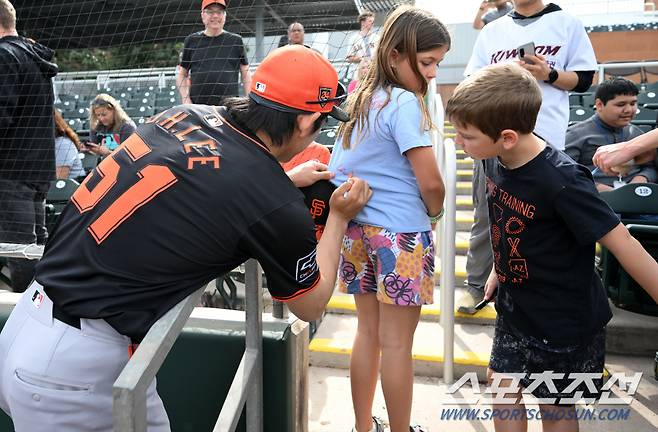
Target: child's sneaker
{"type": "Point", "coordinates": [417, 428]}
{"type": "Point", "coordinates": [378, 425]}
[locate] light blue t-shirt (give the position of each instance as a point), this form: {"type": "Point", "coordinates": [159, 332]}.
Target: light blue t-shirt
{"type": "Point", "coordinates": [377, 156]}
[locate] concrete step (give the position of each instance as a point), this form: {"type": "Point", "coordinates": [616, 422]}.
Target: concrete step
{"type": "Point", "coordinates": [460, 270]}
{"type": "Point", "coordinates": [465, 163]}
{"type": "Point", "coordinates": [343, 304]}
{"type": "Point", "coordinates": [464, 220]}
{"type": "Point", "coordinates": [332, 346]}
{"type": "Point", "coordinates": [464, 202]}
{"type": "Point", "coordinates": [629, 333]}
{"type": "Point", "coordinates": [464, 188]}
{"type": "Point", "coordinates": [465, 175]}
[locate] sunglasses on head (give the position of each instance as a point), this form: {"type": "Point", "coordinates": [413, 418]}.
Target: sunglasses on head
{"type": "Point", "coordinates": [102, 103]}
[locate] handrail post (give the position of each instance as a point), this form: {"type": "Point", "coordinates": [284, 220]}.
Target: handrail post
{"type": "Point", "coordinates": [254, 343]}
{"type": "Point", "coordinates": [446, 159]}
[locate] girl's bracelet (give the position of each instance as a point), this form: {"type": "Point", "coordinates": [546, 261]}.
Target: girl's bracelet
{"type": "Point", "coordinates": [435, 219]}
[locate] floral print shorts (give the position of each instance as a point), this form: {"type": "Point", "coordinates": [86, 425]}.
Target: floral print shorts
{"type": "Point", "coordinates": [399, 267]}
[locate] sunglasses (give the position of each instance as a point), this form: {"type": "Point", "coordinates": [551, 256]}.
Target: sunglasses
{"type": "Point", "coordinates": [101, 103]}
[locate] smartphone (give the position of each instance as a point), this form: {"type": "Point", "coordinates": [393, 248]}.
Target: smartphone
{"type": "Point", "coordinates": [526, 49]}
{"type": "Point", "coordinates": [485, 302]}
{"type": "Point", "coordinates": [91, 144]}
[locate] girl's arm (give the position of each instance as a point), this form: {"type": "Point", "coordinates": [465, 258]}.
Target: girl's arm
{"type": "Point", "coordinates": [432, 189]}
{"type": "Point", "coordinates": [633, 258]}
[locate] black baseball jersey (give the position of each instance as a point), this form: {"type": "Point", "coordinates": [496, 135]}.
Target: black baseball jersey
{"type": "Point", "coordinates": [186, 198]}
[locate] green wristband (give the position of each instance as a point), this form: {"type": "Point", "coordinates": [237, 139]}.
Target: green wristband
{"type": "Point", "coordinates": [435, 219]}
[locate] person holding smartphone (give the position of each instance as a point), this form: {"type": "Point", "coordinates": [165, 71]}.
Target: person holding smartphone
{"type": "Point", "coordinates": [109, 125]}
{"type": "Point", "coordinates": [563, 60]}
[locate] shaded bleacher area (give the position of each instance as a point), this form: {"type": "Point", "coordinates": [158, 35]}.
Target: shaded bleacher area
{"type": "Point", "coordinates": [139, 103]}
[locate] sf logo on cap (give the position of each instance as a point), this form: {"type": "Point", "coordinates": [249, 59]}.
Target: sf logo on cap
{"type": "Point", "coordinates": [323, 95]}
{"type": "Point", "coordinates": [260, 87]}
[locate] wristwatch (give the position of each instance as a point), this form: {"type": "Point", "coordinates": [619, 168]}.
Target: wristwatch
{"type": "Point", "coordinates": [552, 76]}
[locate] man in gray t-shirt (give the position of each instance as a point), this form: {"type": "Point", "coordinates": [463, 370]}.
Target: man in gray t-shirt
{"type": "Point", "coordinates": [487, 13]}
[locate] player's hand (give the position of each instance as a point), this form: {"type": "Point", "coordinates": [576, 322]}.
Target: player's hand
{"type": "Point", "coordinates": [490, 286]}
{"type": "Point", "coordinates": [484, 5]}
{"type": "Point", "coordinates": [309, 172]}
{"type": "Point", "coordinates": [612, 155]}
{"type": "Point", "coordinates": [540, 69]}
{"type": "Point", "coordinates": [349, 198]}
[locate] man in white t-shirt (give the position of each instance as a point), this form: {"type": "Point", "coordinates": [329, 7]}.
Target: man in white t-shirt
{"type": "Point", "coordinates": [362, 44]}
{"type": "Point", "coordinates": [564, 61]}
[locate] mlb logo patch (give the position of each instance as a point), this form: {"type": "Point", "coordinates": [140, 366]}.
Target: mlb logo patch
{"type": "Point", "coordinates": [37, 299]}
{"type": "Point", "coordinates": [213, 120]}
{"type": "Point", "coordinates": [260, 87]}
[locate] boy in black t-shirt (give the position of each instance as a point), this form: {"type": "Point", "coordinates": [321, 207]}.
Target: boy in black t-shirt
{"type": "Point", "coordinates": [546, 217]}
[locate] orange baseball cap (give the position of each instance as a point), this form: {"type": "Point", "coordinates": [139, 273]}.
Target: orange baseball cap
{"type": "Point", "coordinates": [298, 79]}
{"type": "Point", "coordinates": [207, 3]}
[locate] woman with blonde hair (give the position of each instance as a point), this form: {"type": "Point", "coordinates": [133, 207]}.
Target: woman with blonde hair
{"type": "Point", "coordinates": [109, 125]}
{"type": "Point", "coordinates": [67, 146]}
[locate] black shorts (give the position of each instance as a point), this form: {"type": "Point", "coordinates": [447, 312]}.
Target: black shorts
{"type": "Point", "coordinates": [515, 353]}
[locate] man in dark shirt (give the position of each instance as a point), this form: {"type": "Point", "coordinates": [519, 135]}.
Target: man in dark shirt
{"type": "Point", "coordinates": [27, 141]}
{"type": "Point", "coordinates": [211, 59]}
{"type": "Point", "coordinates": [189, 196]}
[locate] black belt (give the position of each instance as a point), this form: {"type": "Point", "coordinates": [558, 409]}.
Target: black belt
{"type": "Point", "coordinates": [62, 316]}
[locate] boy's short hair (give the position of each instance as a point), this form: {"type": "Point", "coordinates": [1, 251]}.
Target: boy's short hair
{"type": "Point", "coordinates": [498, 97]}
{"type": "Point", "coordinates": [7, 15]}
{"type": "Point", "coordinates": [615, 86]}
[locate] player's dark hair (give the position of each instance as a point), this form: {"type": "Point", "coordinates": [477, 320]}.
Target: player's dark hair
{"type": "Point", "coordinates": [278, 125]}
{"type": "Point", "coordinates": [615, 86]}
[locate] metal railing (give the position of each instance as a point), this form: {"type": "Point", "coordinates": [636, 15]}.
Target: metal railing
{"type": "Point", "coordinates": [446, 229]}
{"type": "Point", "coordinates": [604, 66]}
{"type": "Point", "coordinates": [129, 389]}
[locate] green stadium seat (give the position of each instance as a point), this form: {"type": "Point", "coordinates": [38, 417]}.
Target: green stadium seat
{"type": "Point", "coordinates": [327, 136]}
{"type": "Point", "coordinates": [75, 124]}
{"type": "Point", "coordinates": [633, 202]}
{"type": "Point", "coordinates": [89, 161]}
{"type": "Point", "coordinates": [579, 114]}
{"type": "Point", "coordinates": [645, 117]}
{"type": "Point", "coordinates": [145, 111]}
{"type": "Point", "coordinates": [647, 97]}
{"type": "Point", "coordinates": [58, 196]}
{"type": "Point", "coordinates": [588, 99]}
{"type": "Point", "coordinates": [645, 128]}
{"type": "Point", "coordinates": [575, 99]}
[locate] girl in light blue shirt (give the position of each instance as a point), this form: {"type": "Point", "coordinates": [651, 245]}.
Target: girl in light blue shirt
{"type": "Point", "coordinates": [387, 257]}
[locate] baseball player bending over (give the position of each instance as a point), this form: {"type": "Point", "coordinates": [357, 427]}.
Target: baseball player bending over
{"type": "Point", "coordinates": [192, 194]}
